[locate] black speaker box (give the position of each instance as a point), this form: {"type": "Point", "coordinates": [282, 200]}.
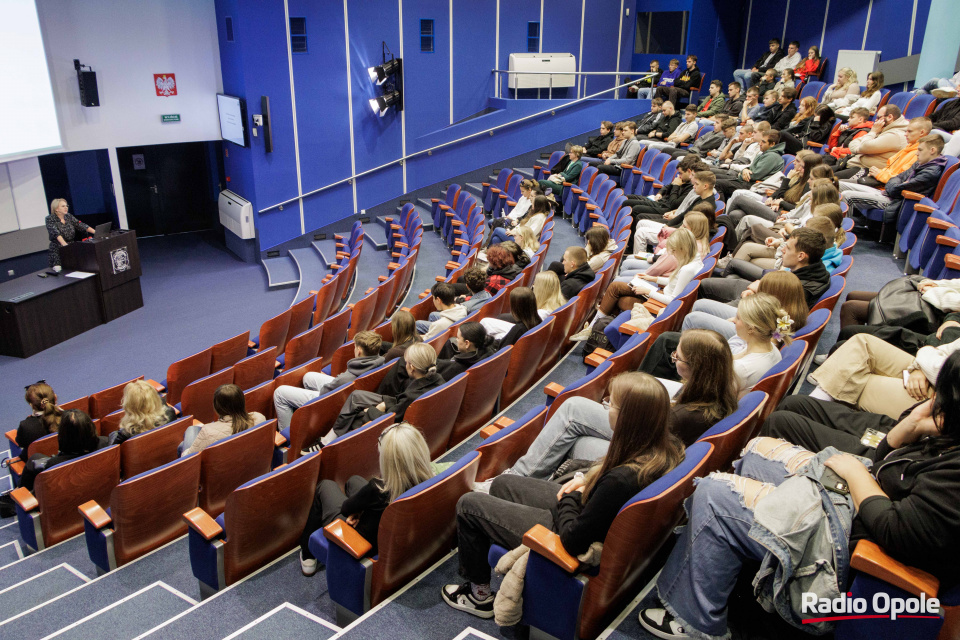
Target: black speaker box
{"type": "Point", "coordinates": [89, 96]}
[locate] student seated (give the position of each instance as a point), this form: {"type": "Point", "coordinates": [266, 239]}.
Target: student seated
{"type": "Point", "coordinates": [906, 505]}
{"type": "Point", "coordinates": [648, 229]}
{"type": "Point", "coordinates": [471, 345]}
{"type": "Point", "coordinates": [669, 199]}
{"type": "Point", "coordinates": [869, 98]}
{"type": "Point", "coordinates": [667, 123]}
{"type": "Point", "coordinates": [574, 271]}
{"type": "Point", "coordinates": [476, 280]}
{"type": "Point", "coordinates": [765, 164]}
{"type": "Point", "coordinates": [598, 144]}
{"type": "Point", "coordinates": [786, 81]}
{"type": "Point", "coordinates": [403, 326]}
{"type": "Point", "coordinates": [232, 418]}
{"type": "Point", "coordinates": [713, 103]}
{"type": "Point", "coordinates": [366, 357]}
{"type": "Point", "coordinates": [739, 156]}
{"type": "Point", "coordinates": [404, 463]}
{"type": "Point", "coordinates": [522, 317]}
{"type": "Point", "coordinates": [660, 263]}
{"type": "Point", "coordinates": [621, 296]}
{"type": "Point", "coordinates": [644, 88]}
{"type": "Point", "coordinates": [600, 246]}
{"type": "Point", "coordinates": [527, 240]}
{"type": "Point", "coordinates": [768, 60]}
{"type": "Point", "coordinates": [76, 437]}
{"type": "Point", "coordinates": [733, 104]}
{"type": "Point", "coordinates": [642, 449]}
{"type": "Point", "coordinates": [766, 86]}
{"type": "Point", "coordinates": [546, 291]}
{"type": "Point", "coordinates": [44, 417]}
{"type": "Point", "coordinates": [570, 174]}
{"type": "Point", "coordinates": [627, 155]}
{"type": "Point", "coordinates": [682, 86]}
{"type": "Point", "coordinates": [648, 122]}
{"type": "Point", "coordinates": [844, 91]}
{"type": "Point", "coordinates": [751, 105]}
{"type": "Point", "coordinates": [444, 299]}
{"type": "Point", "coordinates": [683, 133]}
{"type": "Point", "coordinates": [725, 131]}
{"type": "Point", "coordinates": [501, 269]}
{"type": "Point", "coordinates": [580, 429]}
{"type": "Point", "coordinates": [887, 136]}
{"type": "Point", "coordinates": [420, 368]}
{"type": "Point", "coordinates": [529, 189]}
{"type": "Point", "coordinates": [802, 130]}
{"type": "Point", "coordinates": [809, 65]}
{"type": "Point", "coordinates": [143, 410]}
{"type": "Point", "coordinates": [533, 219]}
{"type": "Point", "coordinates": [782, 113]}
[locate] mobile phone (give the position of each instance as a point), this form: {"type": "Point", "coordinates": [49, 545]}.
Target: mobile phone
{"type": "Point", "coordinates": [832, 482]}
{"type": "Point", "coordinates": [871, 438]}
{"type": "Point", "coordinates": [906, 378]}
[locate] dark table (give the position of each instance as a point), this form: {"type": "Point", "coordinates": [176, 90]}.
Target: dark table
{"type": "Point", "coordinates": [37, 313]}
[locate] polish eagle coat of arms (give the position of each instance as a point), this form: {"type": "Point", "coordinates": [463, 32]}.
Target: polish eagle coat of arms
{"type": "Point", "coordinates": [166, 84]}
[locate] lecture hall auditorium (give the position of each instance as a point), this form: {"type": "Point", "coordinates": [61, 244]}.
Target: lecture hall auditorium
{"type": "Point", "coordinates": [608, 320]}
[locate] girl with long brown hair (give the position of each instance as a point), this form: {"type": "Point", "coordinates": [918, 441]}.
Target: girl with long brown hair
{"type": "Point", "coordinates": [642, 448]}
{"type": "Point", "coordinates": [44, 418]}
{"type": "Point", "coordinates": [230, 405]}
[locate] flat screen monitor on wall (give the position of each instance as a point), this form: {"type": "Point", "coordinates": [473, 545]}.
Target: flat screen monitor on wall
{"type": "Point", "coordinates": [28, 115]}
{"type": "Point", "coordinates": [233, 119]}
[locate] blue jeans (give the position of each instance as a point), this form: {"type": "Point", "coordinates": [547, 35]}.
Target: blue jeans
{"type": "Point", "coordinates": [744, 77]}
{"type": "Point", "coordinates": [935, 83]}
{"type": "Point", "coordinates": [499, 235]}
{"type": "Point", "coordinates": [188, 437]}
{"type": "Point", "coordinates": [714, 315]}
{"type": "Point", "coordinates": [696, 592]}
{"type": "Point", "coordinates": [579, 425]}
{"type": "Point", "coordinates": [423, 326]}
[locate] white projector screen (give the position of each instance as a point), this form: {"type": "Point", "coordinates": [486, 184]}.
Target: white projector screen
{"type": "Point", "coordinates": [28, 115]}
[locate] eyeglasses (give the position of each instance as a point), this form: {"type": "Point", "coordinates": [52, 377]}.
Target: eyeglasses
{"type": "Point", "coordinates": [37, 382]}
{"type": "Point", "coordinates": [607, 404]}
{"type": "Point", "coordinates": [674, 358]}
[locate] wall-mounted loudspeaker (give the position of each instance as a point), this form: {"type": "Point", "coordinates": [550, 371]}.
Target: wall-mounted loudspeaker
{"type": "Point", "coordinates": [89, 96]}
{"type": "Point", "coordinates": [267, 124]}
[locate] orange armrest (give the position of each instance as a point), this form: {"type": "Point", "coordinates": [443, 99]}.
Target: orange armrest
{"type": "Point", "coordinates": [923, 208]}
{"type": "Point", "coordinates": [401, 244]}
{"type": "Point", "coordinates": [657, 185]}
{"type": "Point", "coordinates": [460, 242]}
{"type": "Point", "coordinates": [341, 254]}
{"type": "Point", "coordinates": [12, 435]}
{"type": "Point", "coordinates": [196, 423]}
{"type": "Point", "coordinates": [583, 198]}
{"type": "Point", "coordinates": [351, 305]}
{"type": "Point", "coordinates": [576, 190]}
{"type": "Point", "coordinates": [637, 172]}
{"type": "Point", "coordinates": [24, 498]}
{"type": "Point", "coordinates": [593, 360]}
{"type": "Point", "coordinates": [816, 145]}
{"type": "Point", "coordinates": [337, 236]}
{"type": "Point", "coordinates": [648, 178]}
{"type": "Point", "coordinates": [338, 245]}
{"type": "Point", "coordinates": [489, 430]}
{"type": "Point", "coordinates": [347, 538]}
{"type": "Point", "coordinates": [17, 466]}
{"type": "Point", "coordinates": [452, 265]}
{"type": "Point", "coordinates": [553, 389]}
{"type": "Point", "coordinates": [547, 543]}
{"type": "Point", "coordinates": [156, 385]}
{"type": "Point", "coordinates": [335, 266]}
{"type": "Point", "coordinates": [434, 199]}
{"type": "Point", "coordinates": [276, 364]}
{"type": "Point", "coordinates": [569, 184]}
{"type": "Point", "coordinates": [627, 329]}
{"type": "Point", "coordinates": [396, 255]}
{"type": "Point", "coordinates": [952, 261]}
{"type": "Point", "coordinates": [313, 292]}
{"type": "Point", "coordinates": [871, 559]}
{"type": "Point", "coordinates": [484, 184]}
{"type": "Point", "coordinates": [251, 344]}
{"type": "Point", "coordinates": [947, 242]}
{"type": "Point", "coordinates": [201, 522]}
{"type": "Point", "coordinates": [626, 166]}
{"type": "Point", "coordinates": [94, 514]}
{"type": "Point", "coordinates": [911, 195]}
{"type": "Point", "coordinates": [382, 278]}
{"type": "Point", "coordinates": [423, 295]}
{"type": "Point", "coordinates": [943, 225]}
{"type": "Point", "coordinates": [393, 265]}
{"type": "Point", "coordinates": [279, 440]}
{"type": "Point", "coordinates": [594, 216]}
{"type": "Point", "coordinates": [440, 278]}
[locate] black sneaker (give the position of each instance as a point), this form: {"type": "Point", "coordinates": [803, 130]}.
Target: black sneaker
{"type": "Point", "coordinates": [660, 623]}
{"type": "Point", "coordinates": [461, 597]}
{"type": "Point", "coordinates": [316, 446]}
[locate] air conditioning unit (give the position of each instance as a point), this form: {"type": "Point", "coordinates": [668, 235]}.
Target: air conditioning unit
{"type": "Point", "coordinates": [559, 63]}
{"type": "Point", "coordinates": [236, 214]}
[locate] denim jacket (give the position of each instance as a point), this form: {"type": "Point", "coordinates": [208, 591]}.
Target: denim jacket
{"type": "Point", "coordinates": [806, 530]}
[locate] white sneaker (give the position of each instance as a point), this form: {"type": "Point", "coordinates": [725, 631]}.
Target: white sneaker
{"type": "Point", "coordinates": [820, 359]}
{"type": "Point", "coordinates": [483, 487]}
{"type": "Point", "coordinates": [811, 380]}
{"type": "Point", "coordinates": [308, 567]}
{"type": "Point", "coordinates": [461, 597]}
{"type": "Point", "coordinates": [660, 623]}
{"type": "Point", "coordinates": [580, 336]}
{"type": "Point", "coordinates": [724, 261]}
{"type": "Point", "coordinates": [944, 92]}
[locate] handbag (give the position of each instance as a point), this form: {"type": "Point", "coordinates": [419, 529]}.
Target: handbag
{"type": "Point", "coordinates": [900, 304]}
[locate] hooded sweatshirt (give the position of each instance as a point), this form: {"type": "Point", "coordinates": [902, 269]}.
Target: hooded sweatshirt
{"type": "Point", "coordinates": [920, 178]}
{"type": "Point", "coordinates": [447, 318]}
{"type": "Point", "coordinates": [767, 163]}
{"type": "Point", "coordinates": [874, 149]}
{"type": "Point", "coordinates": [576, 280]}
{"type": "Point", "coordinates": [355, 368]}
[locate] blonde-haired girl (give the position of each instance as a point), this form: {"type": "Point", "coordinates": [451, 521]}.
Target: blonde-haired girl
{"type": "Point", "coordinates": [143, 410]}
{"type": "Point", "coordinates": [546, 289]}
{"type": "Point", "coordinates": [764, 326]}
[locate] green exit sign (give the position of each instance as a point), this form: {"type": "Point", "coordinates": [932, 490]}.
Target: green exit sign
{"type": "Point", "coordinates": [170, 117]}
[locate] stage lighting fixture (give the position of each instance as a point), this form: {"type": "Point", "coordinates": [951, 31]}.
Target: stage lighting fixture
{"type": "Point", "coordinates": [380, 73]}
{"type": "Point", "coordinates": [381, 104]}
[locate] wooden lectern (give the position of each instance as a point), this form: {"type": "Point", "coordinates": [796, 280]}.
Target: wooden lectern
{"type": "Point", "coordinates": [116, 261]}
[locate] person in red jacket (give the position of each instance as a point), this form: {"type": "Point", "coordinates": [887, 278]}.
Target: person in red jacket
{"type": "Point", "coordinates": [809, 65]}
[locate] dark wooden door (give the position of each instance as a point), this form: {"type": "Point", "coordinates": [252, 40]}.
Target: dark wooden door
{"type": "Point", "coordinates": [166, 188]}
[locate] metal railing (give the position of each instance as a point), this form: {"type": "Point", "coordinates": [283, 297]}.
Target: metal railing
{"type": "Point", "coordinates": [499, 73]}
{"type": "Point", "coordinates": [552, 110]}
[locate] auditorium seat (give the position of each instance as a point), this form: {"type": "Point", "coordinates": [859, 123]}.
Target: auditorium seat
{"type": "Point", "coordinates": [830, 297]}
{"type": "Point", "coordinates": [362, 314]}
{"type": "Point", "coordinates": [524, 361]}
{"type": "Point", "coordinates": [49, 515]}
{"type": "Point", "coordinates": [730, 435]}
{"type": "Point", "coordinates": [225, 354]}
{"type": "Point", "coordinates": [434, 413]}
{"type": "Point", "coordinates": [542, 171]}
{"type": "Point", "coordinates": [416, 530]}
{"type": "Point", "coordinates": [48, 445]}
{"type": "Point", "coordinates": [491, 191]}
{"type": "Point", "coordinates": [273, 333]}
{"type": "Point", "coordinates": [563, 327]}
{"type": "Point", "coordinates": [198, 396]}
{"type": "Point", "coordinates": [260, 399]}
{"type": "Point", "coordinates": [627, 358]}
{"type": "Point", "coordinates": [294, 377]}
{"type": "Point", "coordinates": [355, 453]}
{"type": "Point", "coordinates": [255, 369]}
{"type": "Point", "coordinates": [323, 301]}
{"type": "Point", "coordinates": [810, 333]}
{"type": "Point", "coordinates": [507, 440]}
{"type": "Point", "coordinates": [780, 377]}
{"type": "Point", "coordinates": [300, 348]}
{"type": "Point", "coordinates": [484, 381]}
{"type": "Point", "coordinates": [313, 420]}
{"type": "Point", "coordinates": [110, 422]}
{"type": "Point", "coordinates": [385, 299]}
{"type": "Point", "coordinates": [228, 463]}
{"type": "Point", "coordinates": [145, 512]}
{"type": "Point", "coordinates": [192, 368]}
{"type": "Point", "coordinates": [263, 520]}
{"type": "Point", "coordinates": [153, 448]}
{"type": "Point", "coordinates": [334, 333]}
{"type": "Point", "coordinates": [563, 602]}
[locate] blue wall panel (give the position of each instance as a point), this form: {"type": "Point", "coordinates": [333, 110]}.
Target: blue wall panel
{"type": "Point", "coordinates": [474, 55]}
{"type": "Point", "coordinates": [889, 30]}
{"type": "Point", "coordinates": [560, 33]}
{"type": "Point", "coordinates": [426, 79]}
{"type": "Point", "coordinates": [805, 23]}
{"type": "Point", "coordinates": [766, 21]}
{"type": "Point", "coordinates": [514, 16]}
{"type": "Point", "coordinates": [331, 204]}
{"type": "Point", "coordinates": [601, 26]}
{"type": "Point", "coordinates": [322, 107]}
{"type": "Point", "coordinates": [845, 24]}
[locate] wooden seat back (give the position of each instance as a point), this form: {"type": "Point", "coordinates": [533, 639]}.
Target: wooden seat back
{"type": "Point", "coordinates": [228, 353]}
{"type": "Point", "coordinates": [147, 510]}
{"type": "Point", "coordinates": [303, 347]}
{"type": "Point", "coordinates": [64, 487]}
{"type": "Point", "coordinates": [355, 453]}
{"type": "Point", "coordinates": [260, 399]}
{"type": "Point", "coordinates": [151, 449]}
{"type": "Point", "coordinates": [228, 463]}
{"type": "Point", "coordinates": [484, 381]}
{"type": "Point", "coordinates": [198, 396]}
{"type": "Point", "coordinates": [730, 435]}
{"type": "Point", "coordinates": [192, 368]}
{"type": "Point", "coordinates": [362, 317]}
{"type": "Point", "coordinates": [108, 400]}
{"type": "Point", "coordinates": [265, 517]}
{"type": "Point", "coordinates": [110, 422]}
{"type": "Point", "coordinates": [334, 335]}
{"type": "Point", "coordinates": [501, 450]}
{"type": "Point", "coordinates": [273, 332]}
{"type": "Point", "coordinates": [313, 420]}
{"type": "Point", "coordinates": [435, 412]}
{"type": "Point", "coordinates": [524, 361]}
{"type": "Point", "coordinates": [294, 377]}
{"type": "Point", "coordinates": [301, 315]}
{"type": "Point", "coordinates": [563, 328]}
{"type": "Point", "coordinates": [255, 369]}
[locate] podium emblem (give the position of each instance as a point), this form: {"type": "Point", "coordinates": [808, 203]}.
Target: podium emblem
{"type": "Point", "coordinates": [120, 260]}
